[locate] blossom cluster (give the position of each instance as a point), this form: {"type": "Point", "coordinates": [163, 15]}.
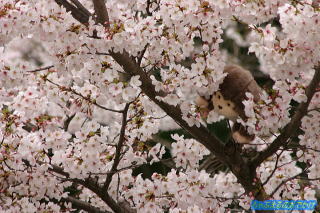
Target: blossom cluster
{"type": "Point", "coordinates": [271, 113]}
{"type": "Point", "coordinates": [288, 53]}
{"type": "Point", "coordinates": [174, 192]}
{"type": "Point", "coordinates": [187, 147]}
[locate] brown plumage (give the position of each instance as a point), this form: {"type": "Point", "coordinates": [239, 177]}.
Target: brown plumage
{"type": "Point", "coordinates": [228, 100]}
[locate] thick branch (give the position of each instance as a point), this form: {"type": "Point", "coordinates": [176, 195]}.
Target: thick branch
{"type": "Point", "coordinates": [77, 13]}
{"type": "Point", "coordinates": [104, 195]}
{"type": "Point", "coordinates": [81, 7]}
{"type": "Point", "coordinates": [91, 184]}
{"type": "Point", "coordinates": [226, 154]}
{"type": "Point", "coordinates": [56, 169]}
{"type": "Point", "coordinates": [294, 124]}
{"type": "Point", "coordinates": [79, 204]}
{"type": "Point", "coordinates": [200, 133]}
{"type": "Point", "coordinates": [101, 12]}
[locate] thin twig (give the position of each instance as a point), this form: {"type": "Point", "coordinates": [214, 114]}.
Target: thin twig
{"type": "Point", "coordinates": [116, 160]}
{"type": "Point", "coordinates": [2, 141]}
{"type": "Point", "coordinates": [92, 185]}
{"type": "Point", "coordinates": [41, 69]}
{"type": "Point", "coordinates": [285, 181]}
{"type": "Point", "coordinates": [85, 98]}
{"type": "Point", "coordinates": [314, 109]}
{"type": "Point", "coordinates": [309, 179]}
{"type": "Point", "coordinates": [140, 57]}
{"type": "Point", "coordinates": [274, 170]}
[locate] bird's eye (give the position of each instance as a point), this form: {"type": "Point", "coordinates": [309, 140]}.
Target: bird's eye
{"type": "Point", "coordinates": [228, 104]}
{"type": "Point", "coordinates": [220, 107]}
{"type": "Point", "coordinates": [219, 96]}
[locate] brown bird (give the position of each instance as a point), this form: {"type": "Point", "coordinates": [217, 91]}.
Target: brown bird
{"type": "Point", "coordinates": [228, 100]}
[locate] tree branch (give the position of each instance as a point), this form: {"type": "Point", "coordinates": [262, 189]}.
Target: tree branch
{"type": "Point", "coordinates": [79, 204]}
{"type": "Point", "coordinates": [116, 160]}
{"type": "Point", "coordinates": [57, 169]}
{"type": "Point", "coordinates": [81, 7]}
{"type": "Point", "coordinates": [104, 195]}
{"type": "Point", "coordinates": [77, 13]}
{"type": "Point", "coordinates": [41, 69]}
{"type": "Point", "coordinates": [225, 153]}
{"type": "Point", "coordinates": [291, 127]}
{"type": "Point", "coordinates": [101, 12]}
{"type": "Point", "coordinates": [285, 181]}
{"type": "Point", "coordinates": [91, 184]}
{"type": "Point", "coordinates": [274, 169]}
{"type": "Point", "coordinates": [88, 99]}
{"type": "Point", "coordinates": [149, 13]}
{"type": "Point", "coordinates": [201, 133]}
{"type": "Point", "coordinates": [140, 57]}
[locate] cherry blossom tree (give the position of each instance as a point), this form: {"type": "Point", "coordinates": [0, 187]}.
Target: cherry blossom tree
{"type": "Point", "coordinates": [86, 86]}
